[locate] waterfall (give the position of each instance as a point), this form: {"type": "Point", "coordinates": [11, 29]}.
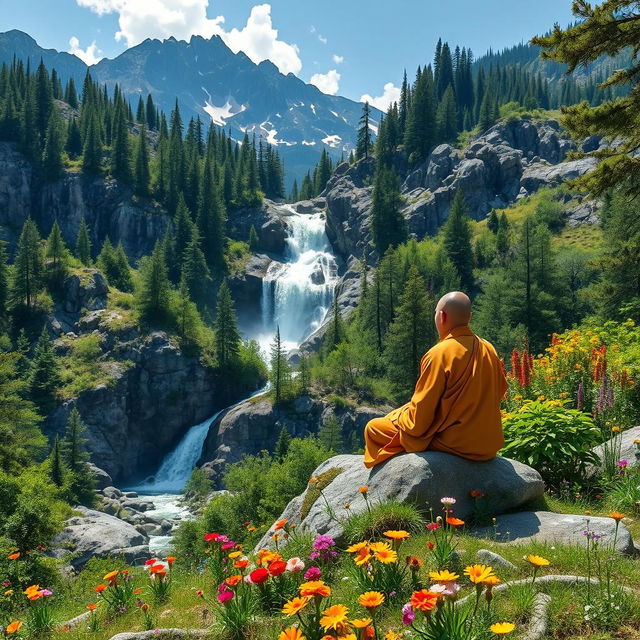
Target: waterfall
{"type": "Point", "coordinates": [297, 293]}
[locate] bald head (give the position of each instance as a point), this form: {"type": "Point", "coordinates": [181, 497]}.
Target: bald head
{"type": "Point", "coordinates": [453, 310]}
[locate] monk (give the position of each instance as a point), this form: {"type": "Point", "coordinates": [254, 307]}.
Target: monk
{"type": "Point", "coordinates": [455, 406]}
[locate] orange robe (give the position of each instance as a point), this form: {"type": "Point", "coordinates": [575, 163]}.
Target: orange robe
{"type": "Point", "coordinates": [455, 406]}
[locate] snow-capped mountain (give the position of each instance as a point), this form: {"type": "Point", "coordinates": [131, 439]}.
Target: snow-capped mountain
{"type": "Point", "coordinates": [211, 81]}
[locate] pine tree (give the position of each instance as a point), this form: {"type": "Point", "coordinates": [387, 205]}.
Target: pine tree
{"type": "Point", "coordinates": [52, 155]}
{"type": "Point", "coordinates": [152, 295]}
{"type": "Point", "coordinates": [187, 317]}
{"type": "Point", "coordinates": [57, 469]}
{"type": "Point", "coordinates": [73, 145]}
{"type": "Point", "coordinates": [44, 380]}
{"type": "Point", "coordinates": [92, 149]}
{"type": "Point", "coordinates": [457, 241]}
{"type": "Point", "coordinates": [409, 335]}
{"type": "Point", "coordinates": [83, 244]}
{"type": "Point", "coordinates": [388, 226]}
{"type": "Point", "coordinates": [363, 144]}
{"type": "Point", "coordinates": [304, 375]}
{"type": "Point", "coordinates": [151, 114]}
{"type": "Point", "coordinates": [142, 174]}
{"type": "Point", "coordinates": [195, 271]}
{"type": "Point", "coordinates": [58, 254]}
{"type": "Point", "coordinates": [75, 457]}
{"type": "Point", "coordinates": [183, 229]}
{"type": "Point", "coordinates": [448, 117]}
{"type": "Point", "coordinates": [279, 372]}
{"type": "Point", "coordinates": [121, 153]}
{"type": "Point", "coordinates": [330, 435]}
{"type": "Point", "coordinates": [71, 95]}
{"type": "Point", "coordinates": [4, 281]}
{"type": "Point", "coordinates": [421, 130]}
{"type": "Point", "coordinates": [228, 339]}
{"type": "Point", "coordinates": [254, 241]}
{"type": "Point", "coordinates": [335, 333]}
{"type": "Point", "coordinates": [282, 445]}
{"type": "Point", "coordinates": [27, 269]}
{"type": "Point", "coordinates": [493, 222]}
{"type": "Point", "coordinates": [43, 94]}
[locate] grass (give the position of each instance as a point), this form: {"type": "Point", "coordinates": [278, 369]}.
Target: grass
{"type": "Point", "coordinates": [186, 610]}
{"type": "Point", "coordinates": [313, 491]}
{"type": "Point", "coordinates": [383, 517]}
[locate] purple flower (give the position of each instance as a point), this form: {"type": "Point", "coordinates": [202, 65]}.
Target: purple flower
{"type": "Point", "coordinates": [408, 615]}
{"type": "Point", "coordinates": [314, 555]}
{"type": "Point", "coordinates": [312, 573]}
{"type": "Point", "coordinates": [323, 543]}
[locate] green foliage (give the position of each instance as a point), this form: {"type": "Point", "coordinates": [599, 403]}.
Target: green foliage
{"type": "Point", "coordinates": [114, 264]}
{"type": "Point", "coordinates": [28, 269]}
{"type": "Point", "coordinates": [44, 378]}
{"type": "Point", "coordinates": [199, 485]}
{"type": "Point", "coordinates": [75, 458]}
{"type": "Point", "coordinates": [57, 255]}
{"type": "Point", "coordinates": [330, 435]}
{"type": "Point", "coordinates": [551, 438]}
{"type": "Point", "coordinates": [226, 328]}
{"type": "Point", "coordinates": [20, 435]}
{"type": "Point", "coordinates": [279, 371]}
{"type": "Point", "coordinates": [383, 517]}
{"type": "Point", "coordinates": [83, 244]}
{"type": "Point", "coordinates": [388, 226]}
{"type": "Point", "coordinates": [153, 290]}
{"type": "Point", "coordinates": [363, 144]}
{"type": "Point", "coordinates": [282, 446]}
{"type": "Point", "coordinates": [457, 241]}
{"type": "Point", "coordinates": [52, 164]}
{"type": "Point", "coordinates": [254, 241]}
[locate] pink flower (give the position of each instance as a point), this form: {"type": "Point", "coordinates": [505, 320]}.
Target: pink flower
{"type": "Point", "coordinates": [294, 565]}
{"type": "Point", "coordinates": [433, 526]}
{"type": "Point", "coordinates": [313, 573]}
{"type": "Point", "coordinates": [445, 588]}
{"type": "Point", "coordinates": [408, 615]}
{"type": "Point", "coordinates": [46, 592]}
{"type": "Point", "coordinates": [225, 596]}
{"type": "Point", "coordinates": [248, 579]}
{"type": "Point", "coordinates": [228, 545]}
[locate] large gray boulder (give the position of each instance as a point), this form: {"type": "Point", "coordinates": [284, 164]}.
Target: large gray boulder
{"type": "Point", "coordinates": [94, 534]}
{"type": "Point", "coordinates": [628, 450]}
{"type": "Point", "coordinates": [539, 174]}
{"type": "Point", "coordinates": [418, 478]}
{"type": "Point", "coordinates": [548, 528]}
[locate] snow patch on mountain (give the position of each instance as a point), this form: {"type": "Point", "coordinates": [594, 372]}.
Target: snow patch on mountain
{"type": "Point", "coordinates": [332, 140]}
{"type": "Point", "coordinates": [220, 115]}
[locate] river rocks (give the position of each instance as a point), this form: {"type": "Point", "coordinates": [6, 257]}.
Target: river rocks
{"type": "Point", "coordinates": [254, 425]}
{"type": "Point", "coordinates": [419, 478]}
{"type": "Point", "coordinates": [94, 534]}
{"type": "Point", "coordinates": [101, 478]}
{"type": "Point", "coordinates": [548, 528]}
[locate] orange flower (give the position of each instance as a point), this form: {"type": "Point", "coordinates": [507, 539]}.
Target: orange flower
{"type": "Point", "coordinates": [363, 556]}
{"type": "Point", "coordinates": [241, 564]}
{"type": "Point", "coordinates": [382, 552]}
{"type": "Point", "coordinates": [171, 560]}
{"type": "Point", "coordinates": [315, 588]}
{"type": "Point", "coordinates": [617, 516]}
{"type": "Point", "coordinates": [363, 490]}
{"type": "Point", "coordinates": [478, 573]}
{"type": "Point", "coordinates": [476, 493]}
{"type": "Point", "coordinates": [232, 581]}
{"type": "Point", "coordinates": [111, 576]}
{"type": "Point", "coordinates": [414, 563]}
{"type": "Point", "coordinates": [34, 596]}
{"type": "Point", "coordinates": [14, 556]}
{"type": "Point", "coordinates": [137, 592]}
{"type": "Point", "coordinates": [358, 546]}
{"type": "Point", "coordinates": [398, 536]}
{"type": "Point", "coordinates": [424, 600]}
{"type": "Point", "coordinates": [292, 633]}
{"type": "Point", "coordinates": [491, 581]}
{"type": "Point", "coordinates": [371, 599]}
{"type": "Point", "coordinates": [92, 607]}
{"type": "Point", "coordinates": [333, 616]}
{"type": "Point", "coordinates": [295, 605]}
{"type": "Point", "coordinates": [454, 522]}
{"type": "Point", "coordinates": [280, 524]}
{"type": "Point", "coordinates": [14, 627]}
{"type": "Point", "coordinates": [277, 567]}
{"type": "Point", "coordinates": [538, 561]}
{"type": "Point", "coordinates": [100, 588]}
{"type": "Point", "coordinates": [34, 588]}
{"type": "Point", "coordinates": [157, 569]}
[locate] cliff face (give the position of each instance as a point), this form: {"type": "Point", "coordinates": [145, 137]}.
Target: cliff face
{"type": "Point", "coordinates": [107, 206]}
{"type": "Point", "coordinates": [150, 390]}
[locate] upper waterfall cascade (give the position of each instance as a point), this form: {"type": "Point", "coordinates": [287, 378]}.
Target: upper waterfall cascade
{"type": "Point", "coordinates": [296, 295]}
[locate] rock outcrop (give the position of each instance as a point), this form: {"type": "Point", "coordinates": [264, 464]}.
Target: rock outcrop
{"type": "Point", "coordinates": [510, 160]}
{"type": "Point", "coordinates": [419, 478]}
{"type": "Point", "coordinates": [95, 534]}
{"type": "Point", "coordinates": [624, 445]}
{"type": "Point", "coordinates": [254, 425]}
{"type": "Point", "coordinates": [547, 527]}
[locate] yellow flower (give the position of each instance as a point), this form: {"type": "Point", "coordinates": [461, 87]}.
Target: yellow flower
{"type": "Point", "coordinates": [491, 581]}
{"type": "Point", "coordinates": [111, 576]}
{"type": "Point", "coordinates": [333, 616]}
{"type": "Point", "coordinates": [315, 588]}
{"type": "Point", "coordinates": [371, 599]}
{"type": "Point", "coordinates": [502, 628]}
{"type": "Point", "coordinates": [362, 557]}
{"type": "Point", "coordinates": [538, 561]}
{"type": "Point", "coordinates": [382, 552]}
{"type": "Point", "coordinates": [396, 535]}
{"type": "Point", "coordinates": [443, 576]}
{"type": "Point", "coordinates": [392, 635]}
{"type": "Point", "coordinates": [541, 398]}
{"type": "Point", "coordinates": [361, 623]}
{"type": "Point", "coordinates": [478, 573]}
{"type": "Point", "coordinates": [295, 605]}
{"type": "Point", "coordinates": [292, 633]}
{"type": "Point", "coordinates": [615, 429]}
{"type": "Point", "coordinates": [235, 554]}
{"type": "Point", "coordinates": [358, 546]}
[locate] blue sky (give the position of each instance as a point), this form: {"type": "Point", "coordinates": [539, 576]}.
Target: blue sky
{"type": "Point", "coordinates": [350, 47]}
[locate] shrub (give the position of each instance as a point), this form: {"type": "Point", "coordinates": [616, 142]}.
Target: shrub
{"type": "Point", "coordinates": [383, 517]}
{"type": "Point", "coordinates": [199, 485]}
{"type": "Point", "coordinates": [553, 439]}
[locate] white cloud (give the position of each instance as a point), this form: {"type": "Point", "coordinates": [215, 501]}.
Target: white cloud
{"type": "Point", "coordinates": [322, 39]}
{"type": "Point", "coordinates": [90, 55]}
{"type": "Point", "coordinates": [338, 59]}
{"type": "Point", "coordinates": [328, 83]}
{"type": "Point", "coordinates": [141, 19]}
{"type": "Point", "coordinates": [390, 94]}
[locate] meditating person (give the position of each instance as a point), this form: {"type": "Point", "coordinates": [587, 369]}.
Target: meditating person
{"type": "Point", "coordinates": [455, 406]}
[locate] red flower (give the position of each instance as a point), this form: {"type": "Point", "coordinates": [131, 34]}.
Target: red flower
{"type": "Point", "coordinates": [211, 537]}
{"type": "Point", "coordinates": [100, 588]}
{"type": "Point", "coordinates": [150, 561]}
{"type": "Point", "coordinates": [259, 575]}
{"type": "Point", "coordinates": [277, 567]}
{"type": "Point", "coordinates": [430, 545]}
{"type": "Point", "coordinates": [433, 526]}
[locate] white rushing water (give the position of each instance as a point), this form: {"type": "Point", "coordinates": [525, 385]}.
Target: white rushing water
{"type": "Point", "coordinates": [296, 295]}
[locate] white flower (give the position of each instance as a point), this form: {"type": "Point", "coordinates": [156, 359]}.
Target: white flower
{"type": "Point", "coordinates": [448, 501]}
{"type": "Point", "coordinates": [587, 607]}
{"type": "Point", "coordinates": [294, 565]}
{"type": "Point", "coordinates": [587, 618]}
